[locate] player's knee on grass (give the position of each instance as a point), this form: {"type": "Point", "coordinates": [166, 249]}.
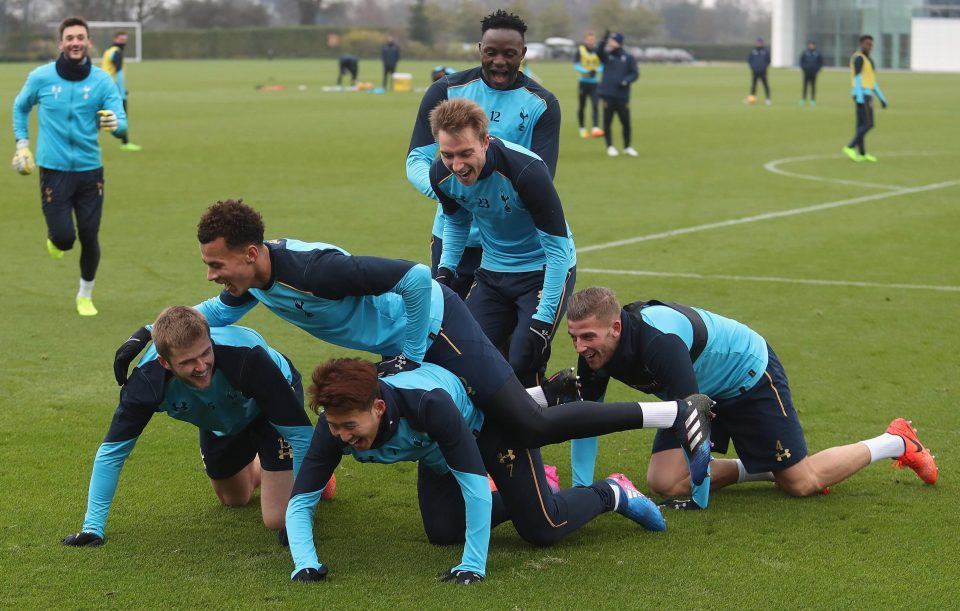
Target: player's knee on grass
{"type": "Point", "coordinates": [668, 474]}
{"type": "Point", "coordinates": [439, 534]}
{"type": "Point", "coordinates": [799, 480]}
{"type": "Point", "coordinates": [235, 498]}
{"type": "Point", "coordinates": [541, 535]}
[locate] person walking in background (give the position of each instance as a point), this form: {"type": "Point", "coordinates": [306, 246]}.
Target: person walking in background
{"type": "Point", "coordinates": [112, 64]}
{"type": "Point", "coordinates": [864, 83]}
{"type": "Point", "coordinates": [75, 99]}
{"type": "Point", "coordinates": [811, 62]}
{"type": "Point", "coordinates": [619, 72]}
{"type": "Point", "coordinates": [390, 54]}
{"type": "Point", "coordinates": [759, 61]}
{"type": "Point", "coordinates": [587, 63]}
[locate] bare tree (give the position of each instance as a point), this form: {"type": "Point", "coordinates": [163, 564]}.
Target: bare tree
{"type": "Point", "coordinates": [309, 9]}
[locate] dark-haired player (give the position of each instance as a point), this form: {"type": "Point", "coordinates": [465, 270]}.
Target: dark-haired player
{"type": "Point", "coordinates": [671, 350]}
{"type": "Point", "coordinates": [392, 308]}
{"type": "Point", "coordinates": [863, 81]}
{"type": "Point", "coordinates": [245, 397]}
{"type": "Point", "coordinates": [520, 111]}
{"type": "Point", "coordinates": [425, 416]}
{"type": "Point", "coordinates": [76, 99]}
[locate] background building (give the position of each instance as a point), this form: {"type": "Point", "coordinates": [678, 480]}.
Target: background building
{"type": "Point", "coordinates": [908, 34]}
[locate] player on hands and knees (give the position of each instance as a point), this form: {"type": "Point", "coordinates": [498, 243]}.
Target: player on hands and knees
{"type": "Point", "coordinates": [384, 306]}
{"type": "Point", "coordinates": [245, 397]}
{"type": "Point", "coordinates": [426, 416]}
{"type": "Point", "coordinates": [671, 350]}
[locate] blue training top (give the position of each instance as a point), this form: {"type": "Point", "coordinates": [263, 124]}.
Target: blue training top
{"type": "Point", "coordinates": [384, 306]}
{"type": "Point", "coordinates": [518, 212]}
{"type": "Point", "coordinates": [428, 418]}
{"type": "Point", "coordinates": [68, 120]}
{"type": "Point", "coordinates": [249, 378]}
{"type": "Point", "coordinates": [526, 114]}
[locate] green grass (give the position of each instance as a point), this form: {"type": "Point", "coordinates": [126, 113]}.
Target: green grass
{"type": "Point", "coordinates": [329, 167]}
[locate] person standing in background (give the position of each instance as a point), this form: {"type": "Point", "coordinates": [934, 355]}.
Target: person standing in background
{"type": "Point", "coordinates": [759, 61]}
{"type": "Point", "coordinates": [811, 62]}
{"type": "Point", "coordinates": [619, 72]}
{"type": "Point", "coordinates": [587, 64]}
{"type": "Point", "coordinates": [390, 54]}
{"type": "Point", "coordinates": [112, 64]}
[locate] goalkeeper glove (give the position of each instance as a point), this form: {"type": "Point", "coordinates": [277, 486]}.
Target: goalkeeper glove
{"type": "Point", "coordinates": [311, 574]}
{"type": "Point", "coordinates": [389, 367]}
{"type": "Point", "coordinates": [23, 158]}
{"type": "Point", "coordinates": [83, 539]}
{"type": "Point", "coordinates": [108, 120]}
{"type": "Point", "coordinates": [463, 578]}
{"type": "Point", "coordinates": [129, 351]}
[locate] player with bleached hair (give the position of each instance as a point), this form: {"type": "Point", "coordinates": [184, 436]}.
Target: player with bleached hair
{"type": "Point", "coordinates": [76, 99]}
{"type": "Point", "coordinates": [426, 416]}
{"type": "Point", "coordinates": [245, 397]}
{"type": "Point", "coordinates": [393, 308]}
{"type": "Point", "coordinates": [672, 350]}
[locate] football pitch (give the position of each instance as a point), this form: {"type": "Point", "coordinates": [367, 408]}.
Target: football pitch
{"type": "Point", "coordinates": [849, 270]}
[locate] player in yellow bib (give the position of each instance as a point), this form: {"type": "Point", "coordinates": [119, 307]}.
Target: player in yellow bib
{"type": "Point", "coordinates": [864, 83]}
{"type": "Point", "coordinates": [113, 65]}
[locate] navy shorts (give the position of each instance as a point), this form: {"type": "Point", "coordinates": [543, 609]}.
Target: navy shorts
{"type": "Point", "coordinates": [467, 267]}
{"type": "Point", "coordinates": [65, 194]}
{"type": "Point", "coordinates": [225, 456]}
{"type": "Point", "coordinates": [762, 423]}
{"type": "Point", "coordinates": [503, 303]}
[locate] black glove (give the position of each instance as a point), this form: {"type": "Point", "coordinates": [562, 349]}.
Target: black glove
{"type": "Point", "coordinates": [883, 103]}
{"type": "Point", "coordinates": [445, 276]}
{"type": "Point", "coordinates": [592, 74]}
{"type": "Point", "coordinates": [562, 387]}
{"type": "Point", "coordinates": [311, 574]}
{"type": "Point", "coordinates": [282, 537]}
{"type": "Point", "coordinates": [536, 344]}
{"type": "Point", "coordinates": [128, 351]}
{"type": "Point", "coordinates": [389, 367]}
{"type": "Point", "coordinates": [463, 578]}
{"type": "Point", "coordinates": [83, 539]}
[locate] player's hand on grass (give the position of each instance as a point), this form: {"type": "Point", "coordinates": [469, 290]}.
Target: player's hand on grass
{"type": "Point", "coordinates": [389, 367]}
{"type": "Point", "coordinates": [83, 539]}
{"type": "Point", "coordinates": [536, 346]}
{"type": "Point", "coordinates": [108, 120]}
{"type": "Point", "coordinates": [463, 578]}
{"type": "Point", "coordinates": [444, 276]}
{"type": "Point", "coordinates": [311, 574]}
{"type": "Point", "coordinates": [23, 158]}
{"type": "Point", "coordinates": [128, 351]}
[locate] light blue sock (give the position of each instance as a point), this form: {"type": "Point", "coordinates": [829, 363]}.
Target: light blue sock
{"type": "Point", "coordinates": [583, 458]}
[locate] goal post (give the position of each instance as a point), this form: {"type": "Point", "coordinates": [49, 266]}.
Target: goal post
{"type": "Point", "coordinates": [101, 34]}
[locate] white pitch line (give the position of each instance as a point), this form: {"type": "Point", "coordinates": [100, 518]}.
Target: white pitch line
{"type": "Point", "coordinates": [727, 277]}
{"type": "Point", "coordinates": [772, 166]}
{"type": "Point", "coordinates": [767, 216]}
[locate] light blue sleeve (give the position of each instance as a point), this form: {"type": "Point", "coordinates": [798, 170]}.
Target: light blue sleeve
{"type": "Point", "coordinates": [557, 251]}
{"type": "Point", "coordinates": [858, 88]}
{"type": "Point", "coordinates": [876, 90]}
{"type": "Point", "coordinates": [22, 105]}
{"type": "Point", "coordinates": [299, 439]}
{"type": "Point", "coordinates": [419, 161]}
{"type": "Point", "coordinates": [416, 288]}
{"type": "Point", "coordinates": [478, 503]}
{"type": "Point", "coordinates": [299, 524]}
{"type": "Point", "coordinates": [456, 230]}
{"type": "Point", "coordinates": [583, 459]}
{"type": "Point", "coordinates": [103, 483]}
{"type": "Point", "coordinates": [121, 85]}
{"type": "Point", "coordinates": [219, 314]}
